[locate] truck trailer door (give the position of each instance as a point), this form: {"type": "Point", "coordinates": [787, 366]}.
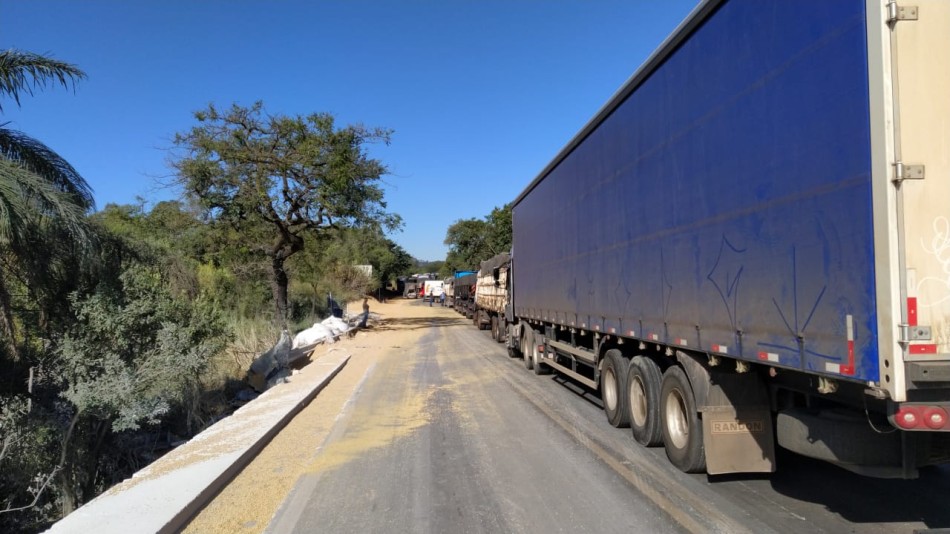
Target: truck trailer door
{"type": "Point", "coordinates": [920, 63]}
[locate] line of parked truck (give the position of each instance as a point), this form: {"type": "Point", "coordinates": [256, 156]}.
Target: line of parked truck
{"type": "Point", "coordinates": [747, 245]}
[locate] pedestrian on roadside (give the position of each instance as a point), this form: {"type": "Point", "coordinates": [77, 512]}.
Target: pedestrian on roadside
{"type": "Point", "coordinates": [442, 299]}
{"type": "Point", "coordinates": [365, 316]}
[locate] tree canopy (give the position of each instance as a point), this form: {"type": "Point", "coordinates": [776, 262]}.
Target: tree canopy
{"type": "Point", "coordinates": [282, 180]}
{"type": "Point", "coordinates": [42, 197]}
{"type": "Point", "coordinates": [473, 240]}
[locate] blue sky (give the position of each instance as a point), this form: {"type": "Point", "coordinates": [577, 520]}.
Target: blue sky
{"type": "Point", "coordinates": [481, 95]}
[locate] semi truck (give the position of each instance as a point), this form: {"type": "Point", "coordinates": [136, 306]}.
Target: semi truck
{"type": "Point", "coordinates": [448, 288]}
{"type": "Point", "coordinates": [411, 287]}
{"type": "Point", "coordinates": [748, 245]}
{"type": "Point", "coordinates": [464, 293]}
{"type": "Point", "coordinates": [432, 290]}
{"type": "Point", "coordinates": [491, 296]}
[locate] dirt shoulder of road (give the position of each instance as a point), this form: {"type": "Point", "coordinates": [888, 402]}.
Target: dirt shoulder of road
{"type": "Point", "coordinates": [250, 501]}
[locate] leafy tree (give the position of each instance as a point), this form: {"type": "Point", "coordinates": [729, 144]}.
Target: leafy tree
{"type": "Point", "coordinates": [280, 180]}
{"type": "Point", "coordinates": [42, 197]}
{"type": "Point", "coordinates": [135, 354]}
{"type": "Point", "coordinates": [473, 240]}
{"type": "Point", "coordinates": [499, 229]}
{"type": "Point", "coordinates": [329, 267]}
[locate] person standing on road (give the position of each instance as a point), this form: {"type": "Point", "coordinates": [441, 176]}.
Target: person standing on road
{"type": "Point", "coordinates": [365, 313]}
{"type": "Point", "coordinates": [442, 299]}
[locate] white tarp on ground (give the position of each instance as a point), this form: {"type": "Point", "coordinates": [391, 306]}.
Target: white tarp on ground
{"type": "Point", "coordinates": [274, 366]}
{"type": "Point", "coordinates": [325, 331]}
{"type": "Point", "coordinates": [315, 334]}
{"type": "Point", "coordinates": [337, 325]}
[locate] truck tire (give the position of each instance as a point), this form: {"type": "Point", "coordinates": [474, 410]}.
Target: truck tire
{"type": "Point", "coordinates": [613, 389]}
{"type": "Point", "coordinates": [643, 396]}
{"type": "Point", "coordinates": [497, 329]}
{"type": "Point", "coordinates": [539, 368]}
{"type": "Point", "coordinates": [682, 428]}
{"type": "Point", "coordinates": [527, 340]}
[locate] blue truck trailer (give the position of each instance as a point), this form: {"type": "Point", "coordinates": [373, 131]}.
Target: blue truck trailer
{"type": "Point", "coordinates": [749, 244]}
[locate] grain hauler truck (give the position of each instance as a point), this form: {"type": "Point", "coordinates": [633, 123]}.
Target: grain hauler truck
{"type": "Point", "coordinates": [491, 295]}
{"type": "Point", "coordinates": [749, 244]}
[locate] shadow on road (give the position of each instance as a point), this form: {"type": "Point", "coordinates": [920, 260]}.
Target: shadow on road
{"type": "Point", "coordinates": [858, 499]}
{"type": "Point", "coordinates": [865, 500]}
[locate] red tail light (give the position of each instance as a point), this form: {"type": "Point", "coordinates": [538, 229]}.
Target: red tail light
{"type": "Point", "coordinates": [935, 417]}
{"type": "Point", "coordinates": [908, 417]}
{"type": "Point", "coordinates": [922, 417]}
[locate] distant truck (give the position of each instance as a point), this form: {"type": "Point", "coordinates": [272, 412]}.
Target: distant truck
{"type": "Point", "coordinates": [411, 288]}
{"type": "Point", "coordinates": [491, 295]}
{"type": "Point", "coordinates": [432, 290]}
{"type": "Point", "coordinates": [464, 293]}
{"type": "Point", "coordinates": [448, 287]}
{"type": "Point", "coordinates": [748, 244]}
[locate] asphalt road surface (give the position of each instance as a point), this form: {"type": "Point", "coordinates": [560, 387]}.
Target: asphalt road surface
{"type": "Point", "coordinates": [464, 452]}
{"type": "Point", "coordinates": [453, 436]}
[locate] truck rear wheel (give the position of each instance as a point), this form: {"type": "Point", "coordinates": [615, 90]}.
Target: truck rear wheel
{"type": "Point", "coordinates": [613, 388]}
{"type": "Point", "coordinates": [497, 329]}
{"type": "Point", "coordinates": [643, 395]}
{"type": "Point", "coordinates": [527, 340]}
{"type": "Point", "coordinates": [539, 368]}
{"type": "Point", "coordinates": [682, 428]}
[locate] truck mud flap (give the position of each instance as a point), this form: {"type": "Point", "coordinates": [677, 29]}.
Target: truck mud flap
{"type": "Point", "coordinates": [737, 425]}
{"type": "Point", "coordinates": [737, 420]}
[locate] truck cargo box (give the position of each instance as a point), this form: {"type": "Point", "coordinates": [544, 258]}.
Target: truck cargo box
{"type": "Point", "coordinates": [773, 185]}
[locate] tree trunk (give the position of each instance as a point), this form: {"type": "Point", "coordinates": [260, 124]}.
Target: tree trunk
{"type": "Point", "coordinates": [280, 283]}
{"type": "Point", "coordinates": [7, 328]}
{"type": "Point", "coordinates": [286, 246]}
{"type": "Point", "coordinates": [67, 491]}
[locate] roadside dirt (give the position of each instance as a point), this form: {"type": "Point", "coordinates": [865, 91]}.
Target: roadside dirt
{"type": "Point", "coordinates": [249, 502]}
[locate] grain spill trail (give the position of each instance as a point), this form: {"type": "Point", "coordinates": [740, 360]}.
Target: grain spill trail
{"type": "Point", "coordinates": [380, 363]}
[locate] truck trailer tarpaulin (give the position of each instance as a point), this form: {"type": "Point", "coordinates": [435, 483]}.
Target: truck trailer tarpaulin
{"type": "Point", "coordinates": [772, 186]}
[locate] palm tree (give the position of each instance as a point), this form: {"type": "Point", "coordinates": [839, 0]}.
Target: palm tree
{"type": "Point", "coordinates": [39, 190]}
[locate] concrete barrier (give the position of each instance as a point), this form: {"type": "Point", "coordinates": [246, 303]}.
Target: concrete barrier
{"type": "Point", "coordinates": [164, 496]}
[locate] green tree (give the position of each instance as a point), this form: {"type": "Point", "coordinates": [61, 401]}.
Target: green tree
{"type": "Point", "coordinates": [473, 240]}
{"type": "Point", "coordinates": [499, 229]}
{"type": "Point", "coordinates": [42, 197]}
{"type": "Point", "coordinates": [329, 267]}
{"type": "Point", "coordinates": [135, 354]}
{"type": "Point", "coordinates": [281, 180]}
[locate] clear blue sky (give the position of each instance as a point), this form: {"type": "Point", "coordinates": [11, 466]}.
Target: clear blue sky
{"type": "Point", "coordinates": [480, 95]}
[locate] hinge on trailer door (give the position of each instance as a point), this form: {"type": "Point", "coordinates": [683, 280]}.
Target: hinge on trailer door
{"type": "Point", "coordinates": [907, 172]}
{"type": "Point", "coordinates": [896, 13]}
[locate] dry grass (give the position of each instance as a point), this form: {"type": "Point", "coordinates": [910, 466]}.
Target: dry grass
{"type": "Point", "coordinates": [251, 338]}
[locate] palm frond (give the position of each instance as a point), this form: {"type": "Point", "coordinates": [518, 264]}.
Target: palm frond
{"type": "Point", "coordinates": [41, 160]}
{"type": "Point", "coordinates": [28, 200]}
{"type": "Point", "coordinates": [22, 72]}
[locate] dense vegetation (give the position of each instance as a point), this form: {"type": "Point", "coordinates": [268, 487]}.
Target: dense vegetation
{"type": "Point", "coordinates": [124, 331]}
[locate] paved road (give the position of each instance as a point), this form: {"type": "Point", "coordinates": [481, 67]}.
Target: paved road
{"type": "Point", "coordinates": [436, 441]}
{"type": "Point", "coordinates": [453, 436]}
